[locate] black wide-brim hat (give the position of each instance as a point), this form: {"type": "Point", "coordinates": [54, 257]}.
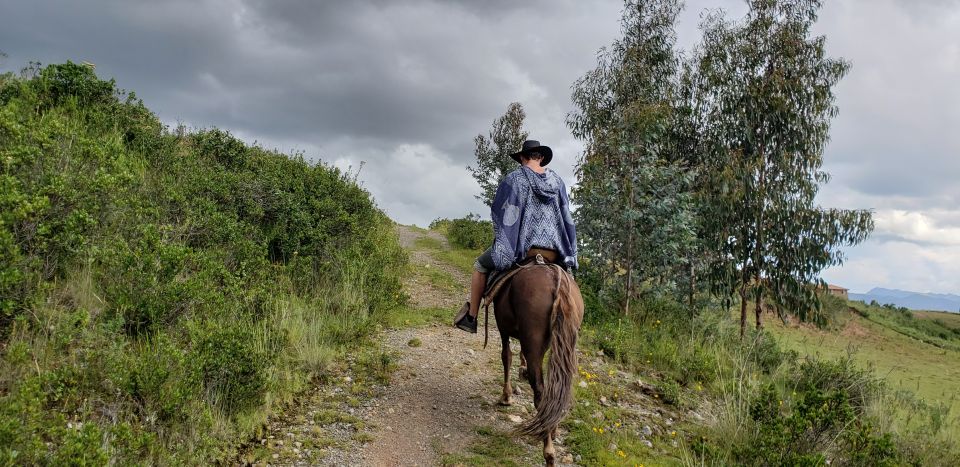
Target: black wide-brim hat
{"type": "Point", "coordinates": [534, 146]}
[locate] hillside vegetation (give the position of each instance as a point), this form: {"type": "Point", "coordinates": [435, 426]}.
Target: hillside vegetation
{"type": "Point", "coordinates": [916, 357]}
{"type": "Point", "coordinates": [675, 388]}
{"type": "Point", "coordinates": [163, 291]}
{"type": "Point", "coordinates": [859, 392]}
{"type": "Point", "coordinates": [949, 320]}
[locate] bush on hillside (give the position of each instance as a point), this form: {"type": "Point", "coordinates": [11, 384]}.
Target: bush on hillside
{"type": "Point", "coordinates": [819, 420]}
{"type": "Point", "coordinates": [441, 225]}
{"type": "Point", "coordinates": [468, 232]}
{"type": "Point", "coordinates": [471, 232]}
{"type": "Point", "coordinates": [148, 277]}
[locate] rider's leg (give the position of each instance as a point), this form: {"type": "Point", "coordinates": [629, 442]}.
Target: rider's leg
{"type": "Point", "coordinates": [466, 318]}
{"type": "Point", "coordinates": [477, 284]}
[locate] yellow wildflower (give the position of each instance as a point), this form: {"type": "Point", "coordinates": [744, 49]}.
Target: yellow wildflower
{"type": "Point", "coordinates": [621, 453]}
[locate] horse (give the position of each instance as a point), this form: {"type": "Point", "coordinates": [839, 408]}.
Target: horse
{"type": "Point", "coordinates": [540, 306]}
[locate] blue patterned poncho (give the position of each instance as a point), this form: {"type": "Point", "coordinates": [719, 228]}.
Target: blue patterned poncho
{"type": "Point", "coordinates": [532, 210]}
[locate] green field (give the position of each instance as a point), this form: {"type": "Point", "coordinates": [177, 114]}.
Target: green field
{"type": "Point", "coordinates": [904, 362]}
{"type": "Point", "coordinates": [950, 320]}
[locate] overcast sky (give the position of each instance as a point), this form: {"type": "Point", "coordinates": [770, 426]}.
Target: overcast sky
{"type": "Point", "coordinates": [403, 87]}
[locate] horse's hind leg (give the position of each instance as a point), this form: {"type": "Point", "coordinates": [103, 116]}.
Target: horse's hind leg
{"type": "Point", "coordinates": [535, 372]}
{"type": "Point", "coordinates": [549, 453]}
{"type": "Point", "coordinates": [523, 367]}
{"type": "Point", "coordinates": [505, 355]}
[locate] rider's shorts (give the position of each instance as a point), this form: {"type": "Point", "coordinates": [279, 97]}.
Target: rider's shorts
{"type": "Point", "coordinates": [484, 263]}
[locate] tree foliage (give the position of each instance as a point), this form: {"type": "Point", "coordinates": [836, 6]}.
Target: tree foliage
{"type": "Point", "coordinates": [711, 163]}
{"type": "Point", "coordinates": [492, 152]}
{"type": "Point", "coordinates": [634, 216]}
{"type": "Point", "coordinates": [763, 89]}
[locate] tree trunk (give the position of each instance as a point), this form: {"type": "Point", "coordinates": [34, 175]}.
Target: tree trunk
{"type": "Point", "coordinates": [629, 250]}
{"type": "Point", "coordinates": [758, 310]}
{"type": "Point", "coordinates": [693, 285]}
{"type": "Point", "coordinates": [626, 308]}
{"type": "Point", "coordinates": [743, 309]}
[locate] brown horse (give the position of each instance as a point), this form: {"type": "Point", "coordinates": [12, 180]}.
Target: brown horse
{"type": "Point", "coordinates": [541, 306]}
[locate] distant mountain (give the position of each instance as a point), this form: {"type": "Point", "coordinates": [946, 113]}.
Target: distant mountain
{"type": "Point", "coordinates": [911, 300]}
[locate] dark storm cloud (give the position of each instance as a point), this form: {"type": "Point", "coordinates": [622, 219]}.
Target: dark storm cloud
{"type": "Point", "coordinates": [343, 81]}
{"type": "Point", "coordinates": [401, 88]}
{"type": "Point", "coordinates": [412, 72]}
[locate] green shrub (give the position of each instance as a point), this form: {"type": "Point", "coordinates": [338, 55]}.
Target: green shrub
{"type": "Point", "coordinates": [860, 386]}
{"type": "Point", "coordinates": [232, 369]}
{"type": "Point", "coordinates": [470, 232]}
{"type": "Point", "coordinates": [822, 415]}
{"type": "Point", "coordinates": [766, 355]}
{"type": "Point", "coordinates": [867, 447]}
{"type": "Point", "coordinates": [441, 225]}
{"type": "Point", "coordinates": [162, 380]}
{"type": "Point", "coordinates": [794, 437]}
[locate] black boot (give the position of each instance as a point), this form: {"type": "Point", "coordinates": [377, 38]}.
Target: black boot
{"type": "Point", "coordinates": [464, 320]}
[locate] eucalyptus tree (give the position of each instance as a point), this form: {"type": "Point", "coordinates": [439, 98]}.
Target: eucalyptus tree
{"type": "Point", "coordinates": [492, 152]}
{"type": "Point", "coordinates": [634, 215]}
{"type": "Point", "coordinates": [764, 90]}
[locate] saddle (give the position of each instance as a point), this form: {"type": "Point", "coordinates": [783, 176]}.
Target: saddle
{"type": "Point", "coordinates": [496, 279]}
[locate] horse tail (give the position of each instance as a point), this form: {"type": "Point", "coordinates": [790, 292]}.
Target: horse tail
{"type": "Point", "coordinates": [558, 385]}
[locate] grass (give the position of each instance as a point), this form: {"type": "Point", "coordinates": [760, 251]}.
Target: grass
{"type": "Point", "coordinates": [460, 258]}
{"type": "Point", "coordinates": [406, 316]}
{"type": "Point", "coordinates": [439, 279]}
{"type": "Point", "coordinates": [905, 363]}
{"type": "Point", "coordinates": [709, 381]}
{"type": "Point", "coordinates": [903, 321]}
{"type": "Point", "coordinates": [493, 447]}
{"type": "Point", "coordinates": [606, 429]}
{"type": "Point", "coordinates": [949, 320]}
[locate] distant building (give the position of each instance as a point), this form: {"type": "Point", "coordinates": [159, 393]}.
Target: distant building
{"type": "Point", "coordinates": [837, 290]}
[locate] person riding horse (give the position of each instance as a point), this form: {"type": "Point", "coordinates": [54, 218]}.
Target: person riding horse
{"type": "Point", "coordinates": [531, 215]}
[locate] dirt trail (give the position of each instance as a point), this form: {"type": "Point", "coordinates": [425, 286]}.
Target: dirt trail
{"type": "Point", "coordinates": [440, 403]}
{"type": "Point", "coordinates": [443, 389]}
